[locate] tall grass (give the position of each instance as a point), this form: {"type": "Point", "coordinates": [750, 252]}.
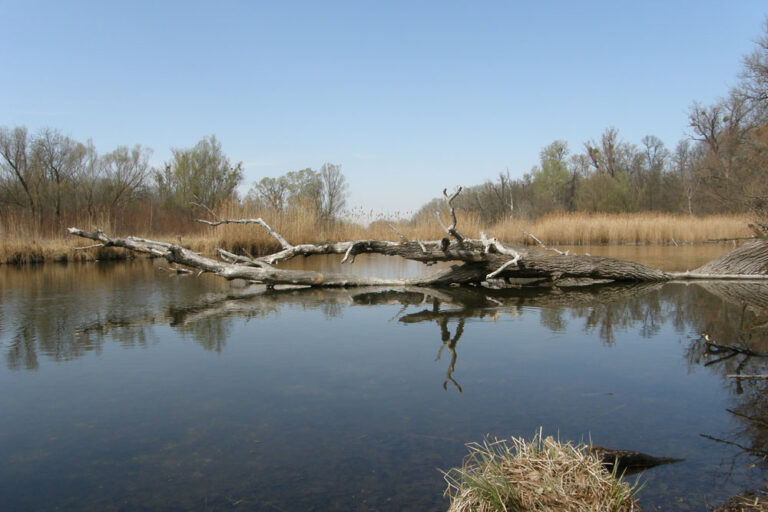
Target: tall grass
{"type": "Point", "coordinates": [623, 228]}
{"type": "Point", "coordinates": [22, 242]}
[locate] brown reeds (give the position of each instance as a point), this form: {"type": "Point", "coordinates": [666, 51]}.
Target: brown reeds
{"type": "Point", "coordinates": [22, 243]}
{"type": "Point", "coordinates": [623, 228]}
{"type": "Point", "coordinates": [542, 474]}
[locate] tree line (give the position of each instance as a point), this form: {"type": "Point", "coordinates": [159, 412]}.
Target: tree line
{"type": "Point", "coordinates": [722, 166]}
{"type": "Point", "coordinates": [47, 178]}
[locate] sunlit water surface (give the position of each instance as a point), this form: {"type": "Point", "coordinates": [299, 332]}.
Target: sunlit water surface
{"type": "Point", "coordinates": [127, 388]}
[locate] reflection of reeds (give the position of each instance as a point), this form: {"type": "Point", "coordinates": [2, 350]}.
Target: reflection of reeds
{"type": "Point", "coordinates": [24, 243]}
{"type": "Point", "coordinates": [542, 474]}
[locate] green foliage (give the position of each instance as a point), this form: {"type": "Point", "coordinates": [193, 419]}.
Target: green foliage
{"type": "Point", "coordinates": [551, 179]}
{"type": "Point", "coordinates": [202, 174]}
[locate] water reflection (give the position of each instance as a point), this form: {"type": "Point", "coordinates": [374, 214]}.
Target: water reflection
{"type": "Point", "coordinates": [50, 315]}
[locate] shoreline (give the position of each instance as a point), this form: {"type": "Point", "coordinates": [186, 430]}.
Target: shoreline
{"type": "Point", "coordinates": [20, 247]}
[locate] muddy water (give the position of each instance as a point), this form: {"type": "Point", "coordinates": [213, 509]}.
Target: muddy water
{"type": "Point", "coordinates": [127, 388]}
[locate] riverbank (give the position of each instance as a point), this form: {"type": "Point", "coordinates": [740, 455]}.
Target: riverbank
{"type": "Point", "coordinates": [24, 247]}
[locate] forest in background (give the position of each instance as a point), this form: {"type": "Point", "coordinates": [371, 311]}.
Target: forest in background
{"type": "Point", "coordinates": [49, 181]}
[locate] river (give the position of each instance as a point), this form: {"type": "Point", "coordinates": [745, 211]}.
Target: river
{"type": "Point", "coordinates": [126, 387]}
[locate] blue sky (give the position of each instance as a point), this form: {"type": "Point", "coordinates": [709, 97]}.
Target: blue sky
{"type": "Point", "coordinates": [408, 97]}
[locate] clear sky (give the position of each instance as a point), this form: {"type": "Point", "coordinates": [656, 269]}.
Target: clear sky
{"type": "Point", "coordinates": [408, 97]}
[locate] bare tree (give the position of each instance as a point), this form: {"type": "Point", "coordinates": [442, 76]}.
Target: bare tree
{"type": "Point", "coordinates": [334, 191]}
{"type": "Point", "coordinates": [125, 171]}
{"type": "Point", "coordinates": [17, 164]}
{"type": "Point", "coordinates": [272, 192]}
{"type": "Point", "coordinates": [58, 155]}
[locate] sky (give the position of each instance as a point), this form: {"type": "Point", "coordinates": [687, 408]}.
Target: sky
{"type": "Point", "coordinates": [408, 97]}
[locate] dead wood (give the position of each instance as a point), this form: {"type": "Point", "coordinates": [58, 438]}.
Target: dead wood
{"type": "Point", "coordinates": [627, 462]}
{"type": "Point", "coordinates": [480, 261]}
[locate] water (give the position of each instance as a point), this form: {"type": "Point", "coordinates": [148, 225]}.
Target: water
{"type": "Point", "coordinates": [127, 388]}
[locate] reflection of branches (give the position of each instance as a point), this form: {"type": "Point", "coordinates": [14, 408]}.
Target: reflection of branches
{"type": "Point", "coordinates": [751, 451]}
{"type": "Point", "coordinates": [734, 343]}
{"type": "Point", "coordinates": [451, 344]}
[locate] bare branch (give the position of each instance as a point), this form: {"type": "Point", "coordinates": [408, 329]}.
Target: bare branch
{"type": "Point", "coordinates": [283, 243]}
{"type": "Point", "coordinates": [402, 236]}
{"type": "Point", "coordinates": [210, 212]}
{"type": "Point", "coordinates": [87, 247]}
{"type": "Point", "coordinates": [483, 259]}
{"type": "Point", "coordinates": [541, 244]}
{"type": "Point", "coordinates": [237, 258]}
{"type": "Point", "coordinates": [504, 267]}
{"type": "Point", "coordinates": [451, 230]}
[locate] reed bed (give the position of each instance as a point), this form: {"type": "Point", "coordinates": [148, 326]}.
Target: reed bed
{"type": "Point", "coordinates": [21, 244]}
{"type": "Point", "coordinates": [623, 228]}
{"type": "Point", "coordinates": [541, 474]}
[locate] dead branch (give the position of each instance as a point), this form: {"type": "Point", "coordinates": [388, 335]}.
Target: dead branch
{"type": "Point", "coordinates": [541, 244]}
{"type": "Point", "coordinates": [283, 243]}
{"type": "Point", "coordinates": [399, 233]}
{"type": "Point", "coordinates": [479, 260]}
{"type": "Point", "coordinates": [451, 230]}
{"type": "Point", "coordinates": [716, 348]}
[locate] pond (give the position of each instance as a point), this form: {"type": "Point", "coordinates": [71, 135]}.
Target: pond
{"type": "Point", "coordinates": [125, 387]}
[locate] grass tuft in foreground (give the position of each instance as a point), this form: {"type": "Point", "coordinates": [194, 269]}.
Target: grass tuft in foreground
{"type": "Point", "coordinates": [541, 474]}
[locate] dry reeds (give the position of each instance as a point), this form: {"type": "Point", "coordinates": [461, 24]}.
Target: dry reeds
{"type": "Point", "coordinates": [541, 474]}
{"type": "Point", "coordinates": [623, 228]}
{"type": "Point", "coordinates": [22, 243]}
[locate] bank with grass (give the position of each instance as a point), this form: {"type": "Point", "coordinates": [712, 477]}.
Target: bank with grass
{"type": "Point", "coordinates": [23, 245]}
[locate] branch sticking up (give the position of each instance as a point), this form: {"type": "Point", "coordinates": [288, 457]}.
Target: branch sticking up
{"type": "Point", "coordinates": [451, 230]}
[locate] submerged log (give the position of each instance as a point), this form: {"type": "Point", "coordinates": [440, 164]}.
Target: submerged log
{"type": "Point", "coordinates": [481, 260]}
{"type": "Point", "coordinates": [627, 462]}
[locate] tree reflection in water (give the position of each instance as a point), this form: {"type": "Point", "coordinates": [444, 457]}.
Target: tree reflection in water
{"type": "Point", "coordinates": [43, 317]}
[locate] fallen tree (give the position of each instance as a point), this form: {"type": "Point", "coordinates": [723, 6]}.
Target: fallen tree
{"type": "Point", "coordinates": [480, 261]}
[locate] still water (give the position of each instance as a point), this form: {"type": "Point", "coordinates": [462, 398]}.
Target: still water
{"type": "Point", "coordinates": [123, 387]}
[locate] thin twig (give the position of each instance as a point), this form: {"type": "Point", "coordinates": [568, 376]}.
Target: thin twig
{"type": "Point", "coordinates": [210, 212]}
{"type": "Point", "coordinates": [541, 244]}
{"type": "Point", "coordinates": [402, 236]}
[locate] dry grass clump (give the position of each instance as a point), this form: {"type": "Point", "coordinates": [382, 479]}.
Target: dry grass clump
{"type": "Point", "coordinates": [541, 474]}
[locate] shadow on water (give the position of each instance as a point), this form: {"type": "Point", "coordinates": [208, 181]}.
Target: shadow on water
{"type": "Point", "coordinates": [66, 316]}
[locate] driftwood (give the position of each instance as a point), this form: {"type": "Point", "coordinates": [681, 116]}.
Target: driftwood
{"type": "Point", "coordinates": [480, 260]}
{"type": "Point", "coordinates": [627, 462]}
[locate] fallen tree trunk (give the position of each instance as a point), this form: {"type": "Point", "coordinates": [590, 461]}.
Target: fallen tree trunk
{"type": "Point", "coordinates": [481, 260]}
